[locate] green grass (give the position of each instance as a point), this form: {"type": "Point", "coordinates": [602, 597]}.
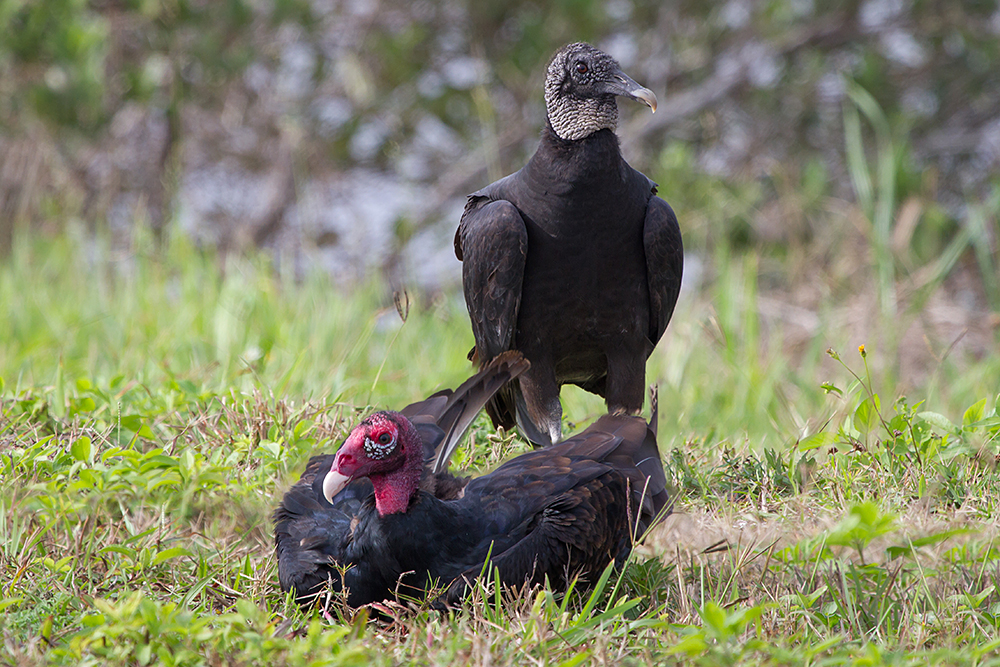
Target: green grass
{"type": "Point", "coordinates": [154, 407]}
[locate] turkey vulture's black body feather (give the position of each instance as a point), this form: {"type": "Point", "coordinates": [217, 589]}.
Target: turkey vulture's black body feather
{"type": "Point", "coordinates": [573, 260]}
{"type": "Point", "coordinates": [312, 535]}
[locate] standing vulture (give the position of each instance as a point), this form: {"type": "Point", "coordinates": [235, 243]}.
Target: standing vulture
{"type": "Point", "coordinates": [572, 260]}
{"type": "Point", "coordinates": [313, 525]}
{"type": "Point", "coordinates": [550, 514]}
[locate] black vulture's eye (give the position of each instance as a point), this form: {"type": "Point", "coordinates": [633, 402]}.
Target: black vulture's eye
{"type": "Point", "coordinates": [581, 67]}
{"type": "Point", "coordinates": [385, 438]}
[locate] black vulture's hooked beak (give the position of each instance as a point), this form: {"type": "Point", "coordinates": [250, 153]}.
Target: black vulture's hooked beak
{"type": "Point", "coordinates": [620, 83]}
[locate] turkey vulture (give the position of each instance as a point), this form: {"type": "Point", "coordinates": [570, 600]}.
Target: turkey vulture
{"type": "Point", "coordinates": [572, 260]}
{"type": "Point", "coordinates": [551, 513]}
{"type": "Point", "coordinates": [312, 526]}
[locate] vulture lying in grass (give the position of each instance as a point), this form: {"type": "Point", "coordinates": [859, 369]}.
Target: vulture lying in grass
{"type": "Point", "coordinates": [551, 514]}
{"type": "Point", "coordinates": [313, 526]}
{"type": "Point", "coordinates": [572, 260]}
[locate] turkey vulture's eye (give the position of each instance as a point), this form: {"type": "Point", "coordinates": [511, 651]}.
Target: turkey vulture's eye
{"type": "Point", "coordinates": [581, 67]}
{"type": "Point", "coordinates": [385, 438]}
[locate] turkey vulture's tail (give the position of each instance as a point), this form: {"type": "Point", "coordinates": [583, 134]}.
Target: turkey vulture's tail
{"type": "Point", "coordinates": [460, 407]}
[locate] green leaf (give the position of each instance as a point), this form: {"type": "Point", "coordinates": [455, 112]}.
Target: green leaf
{"type": "Point", "coordinates": [81, 449]}
{"type": "Point", "coordinates": [896, 551]}
{"type": "Point", "coordinates": [975, 413]}
{"type": "Point", "coordinates": [598, 591]}
{"type": "Point", "coordinates": [135, 424]}
{"type": "Point", "coordinates": [118, 549]}
{"type": "Point", "coordinates": [816, 440]}
{"type": "Point", "coordinates": [172, 552]}
{"type": "Point", "coordinates": [93, 620]}
{"type": "Point", "coordinates": [9, 602]}
{"type": "Point", "coordinates": [577, 659]}
{"type": "Point", "coordinates": [938, 421]}
{"type": "Point", "coordinates": [691, 645]}
{"type": "Point", "coordinates": [714, 617]}
{"type": "Point", "coordinates": [867, 414]}
{"type": "Point", "coordinates": [302, 427]}
{"type": "Point", "coordinates": [158, 461]}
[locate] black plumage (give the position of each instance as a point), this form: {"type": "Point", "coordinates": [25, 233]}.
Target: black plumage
{"type": "Point", "coordinates": [572, 260]}
{"type": "Point", "coordinates": [312, 533]}
{"type": "Point", "coordinates": [553, 513]}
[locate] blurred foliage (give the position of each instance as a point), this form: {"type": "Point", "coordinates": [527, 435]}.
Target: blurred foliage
{"type": "Point", "coordinates": [76, 62]}
{"type": "Point", "coordinates": [884, 105]}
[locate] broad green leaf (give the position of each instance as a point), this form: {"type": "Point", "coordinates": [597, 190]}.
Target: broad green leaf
{"type": "Point", "coordinates": [692, 645]}
{"type": "Point", "coordinates": [938, 421]}
{"type": "Point", "coordinates": [714, 617]}
{"type": "Point", "coordinates": [867, 414]}
{"type": "Point", "coordinates": [135, 424]}
{"type": "Point", "coordinates": [975, 413]}
{"type": "Point", "coordinates": [577, 659]}
{"type": "Point", "coordinates": [816, 440]}
{"type": "Point", "coordinates": [81, 449]}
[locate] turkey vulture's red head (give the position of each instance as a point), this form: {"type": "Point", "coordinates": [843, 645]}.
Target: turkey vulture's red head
{"type": "Point", "coordinates": [386, 449]}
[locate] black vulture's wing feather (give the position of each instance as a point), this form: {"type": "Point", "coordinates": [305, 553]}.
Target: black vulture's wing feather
{"type": "Point", "coordinates": [661, 239]}
{"type": "Point", "coordinates": [492, 243]}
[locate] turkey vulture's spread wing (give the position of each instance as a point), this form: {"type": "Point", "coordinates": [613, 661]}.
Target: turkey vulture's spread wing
{"type": "Point", "coordinates": [661, 239]}
{"type": "Point", "coordinates": [492, 243]}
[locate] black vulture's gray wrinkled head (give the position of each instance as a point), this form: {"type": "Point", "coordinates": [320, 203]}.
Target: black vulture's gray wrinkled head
{"type": "Point", "coordinates": [580, 89]}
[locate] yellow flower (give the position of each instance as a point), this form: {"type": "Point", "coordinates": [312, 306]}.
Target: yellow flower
{"type": "Point", "coordinates": [861, 350]}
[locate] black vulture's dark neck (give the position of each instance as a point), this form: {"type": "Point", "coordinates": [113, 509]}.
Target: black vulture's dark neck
{"type": "Point", "coordinates": [597, 155]}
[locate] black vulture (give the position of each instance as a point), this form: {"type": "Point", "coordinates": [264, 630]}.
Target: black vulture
{"type": "Point", "coordinates": [311, 533]}
{"type": "Point", "coordinates": [550, 514]}
{"type": "Point", "coordinates": [573, 260]}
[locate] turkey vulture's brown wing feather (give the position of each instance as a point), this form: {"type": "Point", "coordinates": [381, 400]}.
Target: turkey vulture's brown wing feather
{"type": "Point", "coordinates": [551, 513]}
{"type": "Point", "coordinates": [577, 533]}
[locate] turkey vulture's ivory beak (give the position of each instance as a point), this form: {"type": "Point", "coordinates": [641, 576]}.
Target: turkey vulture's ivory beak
{"type": "Point", "coordinates": [622, 84]}
{"type": "Point", "coordinates": [333, 483]}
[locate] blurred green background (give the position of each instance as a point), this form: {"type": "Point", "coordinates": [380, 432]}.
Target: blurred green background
{"type": "Point", "coordinates": [835, 168]}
